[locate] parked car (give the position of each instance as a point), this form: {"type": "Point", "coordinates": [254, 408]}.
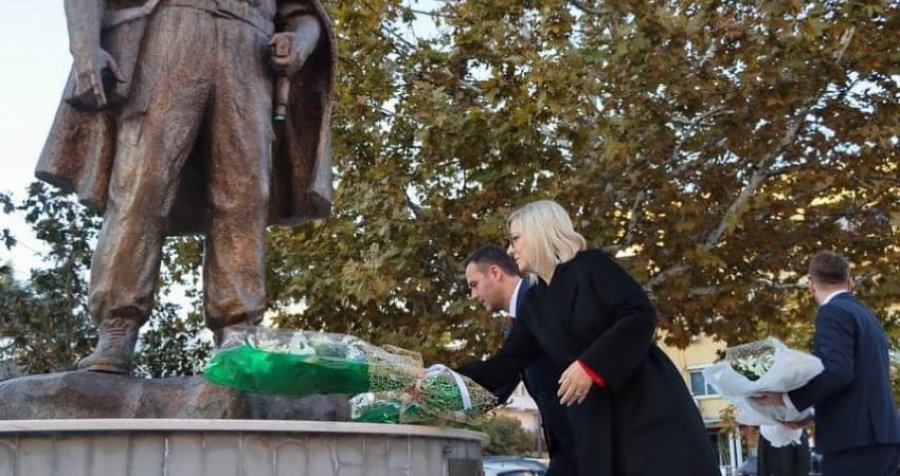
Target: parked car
{"type": "Point", "coordinates": [815, 464]}
{"type": "Point", "coordinates": [509, 469]}
{"type": "Point", "coordinates": [532, 464]}
{"type": "Point", "coordinates": [511, 465]}
{"type": "Point", "coordinates": [749, 466]}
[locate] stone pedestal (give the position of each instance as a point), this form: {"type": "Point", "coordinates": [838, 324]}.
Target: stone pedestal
{"type": "Point", "coordinates": [150, 447]}
{"type": "Point", "coordinates": [91, 395]}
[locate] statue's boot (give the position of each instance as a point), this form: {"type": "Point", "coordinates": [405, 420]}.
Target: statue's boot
{"type": "Point", "coordinates": [115, 348]}
{"type": "Point", "coordinates": [235, 330]}
{"type": "Point", "coordinates": [230, 336]}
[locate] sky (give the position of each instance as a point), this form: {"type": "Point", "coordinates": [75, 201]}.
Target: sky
{"type": "Point", "coordinates": [34, 65]}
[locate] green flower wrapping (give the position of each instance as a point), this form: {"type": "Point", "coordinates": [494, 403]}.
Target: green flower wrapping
{"type": "Point", "coordinates": [384, 411]}
{"type": "Point", "coordinates": [298, 363]}
{"type": "Point", "coordinates": [260, 371]}
{"type": "Point", "coordinates": [386, 407]}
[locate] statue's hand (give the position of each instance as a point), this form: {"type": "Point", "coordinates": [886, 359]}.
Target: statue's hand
{"type": "Point", "coordinates": [290, 51]}
{"type": "Point", "coordinates": [89, 78]}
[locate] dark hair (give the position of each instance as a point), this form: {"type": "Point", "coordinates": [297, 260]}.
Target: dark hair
{"type": "Point", "coordinates": [828, 267]}
{"type": "Point", "coordinates": [493, 254]}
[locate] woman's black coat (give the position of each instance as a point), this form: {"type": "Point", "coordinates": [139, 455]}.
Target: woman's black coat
{"type": "Point", "coordinates": [643, 422]}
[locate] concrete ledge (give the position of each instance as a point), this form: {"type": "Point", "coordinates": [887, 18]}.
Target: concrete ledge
{"type": "Point", "coordinates": [195, 447]}
{"type": "Point", "coordinates": [195, 425]}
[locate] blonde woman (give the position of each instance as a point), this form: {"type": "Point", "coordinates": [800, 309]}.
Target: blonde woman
{"type": "Point", "coordinates": [627, 404]}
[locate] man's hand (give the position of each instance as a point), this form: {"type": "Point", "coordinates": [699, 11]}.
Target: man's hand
{"type": "Point", "coordinates": [797, 425]}
{"type": "Point", "coordinates": [769, 399]}
{"type": "Point", "coordinates": [291, 49]}
{"type": "Point", "coordinates": [89, 68]}
{"type": "Point", "coordinates": [574, 385]}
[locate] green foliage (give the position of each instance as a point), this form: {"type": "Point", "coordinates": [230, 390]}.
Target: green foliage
{"type": "Point", "coordinates": [717, 144]}
{"type": "Point", "coordinates": [46, 321]}
{"type": "Point", "coordinates": [8, 208]}
{"type": "Point", "coordinates": [27, 328]}
{"type": "Point", "coordinates": [171, 345]}
{"type": "Point", "coordinates": [506, 436]}
{"type": "Point", "coordinates": [172, 342]}
{"type": "Point", "coordinates": [895, 372]}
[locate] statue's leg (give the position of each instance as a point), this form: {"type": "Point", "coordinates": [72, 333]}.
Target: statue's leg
{"type": "Point", "coordinates": [239, 179]}
{"type": "Point", "coordinates": [174, 87]}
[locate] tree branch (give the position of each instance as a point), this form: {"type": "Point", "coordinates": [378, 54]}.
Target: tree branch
{"type": "Point", "coordinates": [431, 13]}
{"type": "Point", "coordinates": [415, 209]}
{"type": "Point", "coordinates": [709, 290]}
{"type": "Point", "coordinates": [689, 126]}
{"type": "Point", "coordinates": [400, 38]}
{"type": "Point", "coordinates": [761, 171]}
{"type": "Point", "coordinates": [635, 216]}
{"type": "Point", "coordinates": [586, 8]}
{"type": "Point", "coordinates": [846, 38]}
{"type": "Point", "coordinates": [864, 280]}
{"type": "Point", "coordinates": [677, 268]}
{"type": "Point", "coordinates": [780, 286]}
{"type": "Point", "coordinates": [774, 172]}
{"type": "Point", "coordinates": [6, 348]}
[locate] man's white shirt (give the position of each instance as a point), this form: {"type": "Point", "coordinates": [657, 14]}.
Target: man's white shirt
{"type": "Point", "coordinates": [514, 300]}
{"type": "Point", "coordinates": [831, 296]}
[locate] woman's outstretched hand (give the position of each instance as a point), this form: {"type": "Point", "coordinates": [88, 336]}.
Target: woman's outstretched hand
{"type": "Point", "coordinates": [574, 385]}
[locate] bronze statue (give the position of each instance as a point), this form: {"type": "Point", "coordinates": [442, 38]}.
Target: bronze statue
{"type": "Point", "coordinates": [166, 127]}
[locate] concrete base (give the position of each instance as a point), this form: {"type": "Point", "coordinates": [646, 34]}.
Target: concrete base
{"type": "Point", "coordinates": [146, 447]}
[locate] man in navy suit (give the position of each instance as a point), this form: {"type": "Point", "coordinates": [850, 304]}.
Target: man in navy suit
{"type": "Point", "coordinates": [856, 419]}
{"type": "Point", "coordinates": [493, 279]}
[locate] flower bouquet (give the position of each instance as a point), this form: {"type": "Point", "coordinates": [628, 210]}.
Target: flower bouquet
{"type": "Point", "coordinates": [300, 363]}
{"type": "Point", "coordinates": [764, 366]}
{"type": "Point", "coordinates": [441, 395]}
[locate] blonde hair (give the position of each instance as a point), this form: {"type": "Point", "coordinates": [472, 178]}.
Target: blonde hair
{"type": "Point", "coordinates": [549, 235]}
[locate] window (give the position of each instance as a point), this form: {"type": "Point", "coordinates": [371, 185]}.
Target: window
{"type": "Point", "coordinates": [699, 387]}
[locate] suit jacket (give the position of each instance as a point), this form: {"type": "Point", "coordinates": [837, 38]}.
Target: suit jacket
{"type": "Point", "coordinates": [504, 393]}
{"type": "Point", "coordinates": [595, 312]}
{"type": "Point", "coordinates": [852, 396]}
{"type": "Point", "coordinates": [541, 379]}
{"type": "Point", "coordinates": [81, 148]}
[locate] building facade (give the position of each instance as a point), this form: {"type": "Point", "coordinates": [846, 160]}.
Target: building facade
{"type": "Point", "coordinates": [690, 361]}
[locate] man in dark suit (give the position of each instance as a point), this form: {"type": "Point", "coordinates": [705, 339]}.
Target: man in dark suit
{"type": "Point", "coordinates": [856, 419]}
{"type": "Point", "coordinates": [791, 460]}
{"type": "Point", "coordinates": [493, 279]}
